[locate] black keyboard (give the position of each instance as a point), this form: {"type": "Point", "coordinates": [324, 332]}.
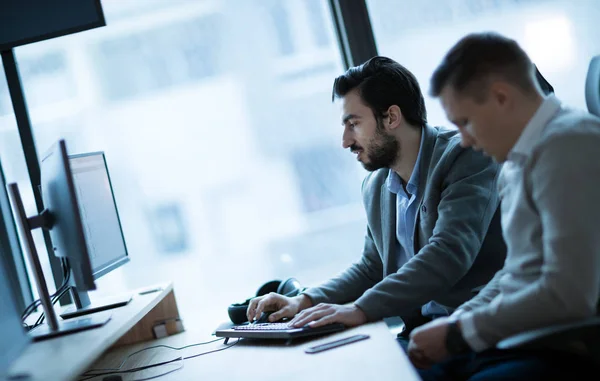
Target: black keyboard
{"type": "Point", "coordinates": [276, 331]}
{"type": "Point", "coordinates": [263, 327]}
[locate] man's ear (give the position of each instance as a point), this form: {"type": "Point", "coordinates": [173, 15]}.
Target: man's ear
{"type": "Point", "coordinates": [394, 117]}
{"type": "Point", "coordinates": [500, 93]}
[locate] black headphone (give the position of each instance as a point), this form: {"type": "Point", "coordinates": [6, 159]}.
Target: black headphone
{"type": "Point", "coordinates": [289, 287]}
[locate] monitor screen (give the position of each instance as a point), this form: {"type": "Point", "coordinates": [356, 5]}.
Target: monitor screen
{"type": "Point", "coordinates": [98, 210]}
{"type": "Point", "coordinates": [26, 21]}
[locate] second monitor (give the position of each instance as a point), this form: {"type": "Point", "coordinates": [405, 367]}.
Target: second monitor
{"type": "Point", "coordinates": [102, 228]}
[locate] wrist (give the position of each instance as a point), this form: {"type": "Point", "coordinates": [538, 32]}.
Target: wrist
{"type": "Point", "coordinates": [455, 342]}
{"type": "Point", "coordinates": [361, 314]}
{"type": "Point", "coordinates": [303, 302]}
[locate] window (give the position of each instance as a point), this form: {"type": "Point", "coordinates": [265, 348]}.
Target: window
{"type": "Point", "coordinates": [317, 22]}
{"type": "Point", "coordinates": [5, 105]}
{"type": "Point", "coordinates": [43, 71]}
{"type": "Point", "coordinates": [299, 25]}
{"type": "Point", "coordinates": [158, 58]}
{"type": "Point", "coordinates": [281, 22]}
{"type": "Point", "coordinates": [225, 154]}
{"type": "Point", "coordinates": [559, 36]}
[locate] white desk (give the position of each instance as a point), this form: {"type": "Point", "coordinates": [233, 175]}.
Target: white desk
{"type": "Point", "coordinates": [130, 329]}
{"type": "Point", "coordinates": [377, 358]}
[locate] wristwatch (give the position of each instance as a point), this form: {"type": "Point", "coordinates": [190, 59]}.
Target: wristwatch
{"type": "Point", "coordinates": [455, 342]}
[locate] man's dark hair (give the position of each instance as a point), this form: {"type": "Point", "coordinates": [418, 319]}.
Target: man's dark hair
{"type": "Point", "coordinates": [478, 57]}
{"type": "Point", "coordinates": [381, 83]}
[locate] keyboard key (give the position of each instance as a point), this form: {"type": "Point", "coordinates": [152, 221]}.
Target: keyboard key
{"type": "Point", "coordinates": [263, 327]}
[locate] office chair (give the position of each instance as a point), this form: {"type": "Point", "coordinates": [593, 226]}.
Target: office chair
{"type": "Point", "coordinates": [544, 84]}
{"type": "Point", "coordinates": [583, 336]}
{"type": "Point", "coordinates": [592, 87]}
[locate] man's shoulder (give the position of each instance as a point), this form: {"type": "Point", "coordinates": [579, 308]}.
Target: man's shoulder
{"type": "Point", "coordinates": [569, 125]}
{"type": "Point", "coordinates": [447, 149]}
{"type": "Point", "coordinates": [447, 135]}
{"type": "Point", "coordinates": [566, 153]}
{"type": "Point", "coordinates": [450, 162]}
{"type": "Point", "coordinates": [375, 179]}
{"type": "Point", "coordinates": [572, 122]}
{"type": "Point", "coordinates": [446, 140]}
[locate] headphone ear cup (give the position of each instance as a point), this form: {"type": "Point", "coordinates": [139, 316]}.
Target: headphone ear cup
{"type": "Point", "coordinates": [289, 287]}
{"type": "Point", "coordinates": [270, 286]}
{"type": "Point", "coordinates": [237, 312]}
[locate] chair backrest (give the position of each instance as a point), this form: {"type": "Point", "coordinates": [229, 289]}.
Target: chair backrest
{"type": "Point", "coordinates": [592, 87]}
{"type": "Point", "coordinates": [544, 84]}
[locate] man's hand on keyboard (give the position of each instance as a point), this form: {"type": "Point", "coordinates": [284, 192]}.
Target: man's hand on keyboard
{"type": "Point", "coordinates": [284, 306]}
{"type": "Point", "coordinates": [322, 314]}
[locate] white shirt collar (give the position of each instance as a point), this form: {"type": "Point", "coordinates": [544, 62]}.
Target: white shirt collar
{"type": "Point", "coordinates": [532, 131]}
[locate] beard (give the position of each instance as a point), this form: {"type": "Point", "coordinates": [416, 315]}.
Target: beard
{"type": "Point", "coordinates": [382, 150]}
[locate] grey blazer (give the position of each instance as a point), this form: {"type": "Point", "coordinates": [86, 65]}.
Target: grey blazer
{"type": "Point", "coordinates": [458, 238]}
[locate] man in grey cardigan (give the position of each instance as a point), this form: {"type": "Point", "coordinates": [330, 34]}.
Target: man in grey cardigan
{"type": "Point", "coordinates": [433, 231]}
{"type": "Point", "coordinates": [550, 215]}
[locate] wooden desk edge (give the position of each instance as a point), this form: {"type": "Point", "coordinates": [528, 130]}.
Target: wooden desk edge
{"type": "Point", "coordinates": [133, 329]}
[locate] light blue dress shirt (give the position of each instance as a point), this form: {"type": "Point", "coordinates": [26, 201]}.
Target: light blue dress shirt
{"type": "Point", "coordinates": [406, 215]}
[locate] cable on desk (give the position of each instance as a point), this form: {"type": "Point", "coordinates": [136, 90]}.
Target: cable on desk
{"type": "Point", "coordinates": [55, 299]}
{"type": "Point", "coordinates": [139, 369]}
{"type": "Point", "coordinates": [147, 349]}
{"type": "Point", "coordinates": [160, 375]}
{"type": "Point", "coordinates": [66, 277]}
{"type": "Point", "coordinates": [35, 304]}
{"type": "Point", "coordinates": [213, 351]}
{"type": "Point", "coordinates": [109, 371]}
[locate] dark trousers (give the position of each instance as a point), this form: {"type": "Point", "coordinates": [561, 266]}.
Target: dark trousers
{"type": "Point", "coordinates": [411, 322]}
{"type": "Point", "coordinates": [495, 364]}
{"type": "Point", "coordinates": [415, 320]}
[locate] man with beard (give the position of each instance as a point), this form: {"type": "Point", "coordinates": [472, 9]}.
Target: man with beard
{"type": "Point", "coordinates": [433, 231]}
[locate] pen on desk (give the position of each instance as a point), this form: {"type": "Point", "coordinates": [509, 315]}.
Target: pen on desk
{"type": "Point", "coordinates": [150, 291]}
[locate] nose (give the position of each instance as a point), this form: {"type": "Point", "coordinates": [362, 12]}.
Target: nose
{"type": "Point", "coordinates": [347, 139]}
{"type": "Point", "coordinates": [466, 140]}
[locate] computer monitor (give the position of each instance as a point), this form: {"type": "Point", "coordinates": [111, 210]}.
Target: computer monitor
{"type": "Point", "coordinates": [23, 22]}
{"type": "Point", "coordinates": [12, 335]}
{"type": "Point", "coordinates": [64, 220]}
{"type": "Point", "coordinates": [101, 226]}
{"type": "Point", "coordinates": [61, 217]}
{"type": "Point", "coordinates": [11, 255]}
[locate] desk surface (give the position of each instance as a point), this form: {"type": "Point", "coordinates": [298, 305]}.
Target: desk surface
{"type": "Point", "coordinates": [65, 358]}
{"type": "Point", "coordinates": [380, 357]}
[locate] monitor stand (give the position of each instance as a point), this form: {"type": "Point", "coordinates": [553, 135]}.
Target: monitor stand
{"type": "Point", "coordinates": [95, 306]}
{"type": "Point", "coordinates": [84, 306]}
{"type": "Point", "coordinates": [67, 327]}
{"type": "Point", "coordinates": [53, 327]}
